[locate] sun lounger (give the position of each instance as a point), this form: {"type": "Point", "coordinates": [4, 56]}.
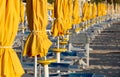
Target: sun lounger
{"type": "Point", "coordinates": [98, 75]}
{"type": "Point", "coordinates": [82, 75]}
{"type": "Point", "coordinates": [64, 66]}
{"type": "Point", "coordinates": [28, 66]}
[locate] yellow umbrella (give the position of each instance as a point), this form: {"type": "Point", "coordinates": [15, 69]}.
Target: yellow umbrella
{"type": "Point", "coordinates": [52, 10]}
{"type": "Point", "coordinates": [94, 10]}
{"type": "Point", "coordinates": [84, 11]}
{"type": "Point", "coordinates": [65, 14]}
{"type": "Point", "coordinates": [89, 13]}
{"type": "Point", "coordinates": [70, 12]}
{"type": "Point", "coordinates": [58, 27]}
{"type": "Point", "coordinates": [9, 19]}
{"type": "Point", "coordinates": [22, 12]}
{"type": "Point", "coordinates": [76, 12]}
{"type": "Point", "coordinates": [99, 9]}
{"type": "Point", "coordinates": [67, 7]}
{"type": "Point", "coordinates": [104, 9]}
{"type": "Point", "coordinates": [37, 42]}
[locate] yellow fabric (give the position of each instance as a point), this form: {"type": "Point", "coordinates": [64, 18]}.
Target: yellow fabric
{"type": "Point", "coordinates": [104, 9]}
{"type": "Point", "coordinates": [85, 11]}
{"type": "Point", "coordinates": [37, 42]}
{"type": "Point", "coordinates": [84, 7]}
{"type": "Point", "coordinates": [89, 13]}
{"type": "Point", "coordinates": [9, 19]}
{"type": "Point", "coordinates": [58, 27]}
{"type": "Point", "coordinates": [65, 14]}
{"type": "Point", "coordinates": [76, 12]}
{"type": "Point", "coordinates": [50, 7]}
{"type": "Point", "coordinates": [94, 10]}
{"type": "Point", "coordinates": [67, 7]}
{"type": "Point", "coordinates": [99, 9]}
{"type": "Point", "coordinates": [22, 12]}
{"type": "Point", "coordinates": [70, 12]}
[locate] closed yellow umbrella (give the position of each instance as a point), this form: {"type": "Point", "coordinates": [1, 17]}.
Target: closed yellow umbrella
{"type": "Point", "coordinates": [76, 12]}
{"type": "Point", "coordinates": [37, 42]}
{"type": "Point", "coordinates": [94, 10]}
{"type": "Point", "coordinates": [65, 14]}
{"type": "Point", "coordinates": [70, 12]}
{"type": "Point", "coordinates": [99, 9]}
{"type": "Point", "coordinates": [84, 7]}
{"type": "Point", "coordinates": [84, 11]}
{"type": "Point", "coordinates": [63, 17]}
{"type": "Point", "coordinates": [9, 19]}
{"type": "Point", "coordinates": [22, 12]}
{"type": "Point", "coordinates": [89, 12]}
{"type": "Point", "coordinates": [67, 7]}
{"type": "Point", "coordinates": [52, 10]}
{"type": "Point", "coordinates": [58, 27]}
{"type": "Point", "coordinates": [104, 8]}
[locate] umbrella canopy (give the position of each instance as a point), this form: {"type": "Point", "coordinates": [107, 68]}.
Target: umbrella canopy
{"type": "Point", "coordinates": [76, 12]}
{"type": "Point", "coordinates": [67, 7]}
{"type": "Point", "coordinates": [70, 13]}
{"type": "Point", "coordinates": [99, 7]}
{"type": "Point", "coordinates": [89, 13]}
{"type": "Point", "coordinates": [65, 14]}
{"type": "Point", "coordinates": [37, 42]}
{"type": "Point", "coordinates": [9, 19]}
{"type": "Point", "coordinates": [85, 11]}
{"type": "Point", "coordinates": [22, 12]}
{"type": "Point", "coordinates": [63, 10]}
{"type": "Point", "coordinates": [58, 26]}
{"type": "Point", "coordinates": [94, 10]}
{"type": "Point", "coordinates": [104, 9]}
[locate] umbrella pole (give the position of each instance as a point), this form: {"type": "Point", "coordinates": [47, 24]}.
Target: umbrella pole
{"type": "Point", "coordinates": [87, 51]}
{"type": "Point", "coordinates": [69, 43]}
{"type": "Point", "coordinates": [46, 70]}
{"type": "Point", "coordinates": [39, 70]}
{"type": "Point", "coordinates": [69, 47]}
{"type": "Point", "coordinates": [35, 68]}
{"type": "Point", "coordinates": [58, 46]}
{"type": "Point", "coordinates": [86, 23]}
{"type": "Point", "coordinates": [73, 26]}
{"type": "Point", "coordinates": [83, 25]}
{"type": "Point", "coordinates": [58, 57]}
